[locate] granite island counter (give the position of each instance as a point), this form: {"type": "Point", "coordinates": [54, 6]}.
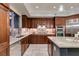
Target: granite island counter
{"type": "Point", "coordinates": [64, 46]}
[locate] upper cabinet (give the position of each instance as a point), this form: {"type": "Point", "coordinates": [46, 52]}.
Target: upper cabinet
{"type": "Point", "coordinates": [35, 22]}
{"type": "Point", "coordinates": [48, 22]}
{"type": "Point", "coordinates": [24, 21]}
{"type": "Point", "coordinates": [60, 21]}
{"type": "Point", "coordinates": [29, 23]}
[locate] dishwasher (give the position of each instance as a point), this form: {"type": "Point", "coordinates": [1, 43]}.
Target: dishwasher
{"type": "Point", "coordinates": [15, 49]}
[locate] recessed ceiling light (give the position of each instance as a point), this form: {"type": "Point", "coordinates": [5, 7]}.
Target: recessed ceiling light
{"type": "Point", "coordinates": [61, 8]}
{"type": "Point", "coordinates": [36, 6]}
{"type": "Point", "coordinates": [54, 6]}
{"type": "Point", "coordinates": [71, 7]}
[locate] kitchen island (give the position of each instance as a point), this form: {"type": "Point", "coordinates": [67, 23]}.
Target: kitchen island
{"type": "Point", "coordinates": [21, 42]}
{"type": "Point", "coordinates": [64, 46]}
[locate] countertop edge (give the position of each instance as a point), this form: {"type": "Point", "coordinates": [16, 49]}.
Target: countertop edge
{"type": "Point", "coordinates": [18, 39]}
{"type": "Point", "coordinates": [61, 46]}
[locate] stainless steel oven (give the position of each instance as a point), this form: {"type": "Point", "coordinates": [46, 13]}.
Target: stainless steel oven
{"type": "Point", "coordinates": [60, 31]}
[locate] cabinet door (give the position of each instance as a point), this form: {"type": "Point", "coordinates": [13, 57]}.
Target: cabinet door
{"type": "Point", "coordinates": [24, 45]}
{"type": "Point", "coordinates": [38, 39]}
{"type": "Point", "coordinates": [29, 23]}
{"type": "Point", "coordinates": [27, 42]}
{"type": "Point", "coordinates": [3, 27]}
{"type": "Point", "coordinates": [34, 39]}
{"type": "Point", "coordinates": [60, 21]}
{"type": "Point", "coordinates": [45, 40]}
{"type": "Point", "coordinates": [4, 49]}
{"type": "Point", "coordinates": [24, 21]}
{"type": "Point", "coordinates": [3, 52]}
{"type": "Point", "coordinates": [4, 36]}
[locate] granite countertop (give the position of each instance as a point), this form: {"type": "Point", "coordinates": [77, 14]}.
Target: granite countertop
{"type": "Point", "coordinates": [43, 33]}
{"type": "Point", "coordinates": [65, 42]}
{"type": "Point", "coordinates": [15, 39]}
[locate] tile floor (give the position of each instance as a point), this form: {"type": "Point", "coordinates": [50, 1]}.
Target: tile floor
{"type": "Point", "coordinates": [37, 50]}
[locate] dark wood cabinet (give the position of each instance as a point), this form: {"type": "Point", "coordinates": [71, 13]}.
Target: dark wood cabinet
{"type": "Point", "coordinates": [24, 21]}
{"type": "Point", "coordinates": [60, 21]}
{"type": "Point", "coordinates": [4, 49]}
{"type": "Point", "coordinates": [24, 44]}
{"type": "Point", "coordinates": [34, 22]}
{"type": "Point", "coordinates": [29, 23]}
{"type": "Point", "coordinates": [38, 39]}
{"type": "Point", "coordinates": [3, 52]}
{"type": "Point", "coordinates": [48, 22]}
{"type": "Point", "coordinates": [4, 30]}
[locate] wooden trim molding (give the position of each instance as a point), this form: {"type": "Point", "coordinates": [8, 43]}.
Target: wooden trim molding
{"type": "Point", "coordinates": [6, 5]}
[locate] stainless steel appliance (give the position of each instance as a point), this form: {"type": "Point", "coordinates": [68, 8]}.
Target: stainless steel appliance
{"type": "Point", "coordinates": [72, 26]}
{"type": "Point", "coordinates": [60, 31]}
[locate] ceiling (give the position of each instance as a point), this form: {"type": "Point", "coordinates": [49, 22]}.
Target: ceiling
{"type": "Point", "coordinates": [46, 9]}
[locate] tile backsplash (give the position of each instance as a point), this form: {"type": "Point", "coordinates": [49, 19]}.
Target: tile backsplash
{"type": "Point", "coordinates": [14, 32]}
{"type": "Point", "coordinates": [33, 30]}
{"type": "Point", "coordinates": [23, 31]}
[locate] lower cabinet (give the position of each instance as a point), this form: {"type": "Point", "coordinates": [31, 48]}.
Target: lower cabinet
{"type": "Point", "coordinates": [24, 44]}
{"type": "Point", "coordinates": [50, 48]}
{"type": "Point", "coordinates": [15, 49]}
{"type": "Point", "coordinates": [4, 49]}
{"type": "Point", "coordinates": [38, 39]}
{"type": "Point", "coordinates": [4, 52]}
